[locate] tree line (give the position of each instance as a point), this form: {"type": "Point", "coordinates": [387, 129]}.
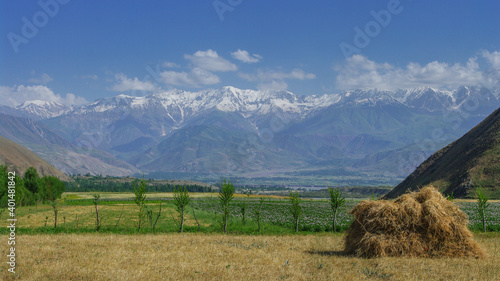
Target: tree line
{"type": "Point", "coordinates": [30, 188]}
{"type": "Point", "coordinates": [102, 184]}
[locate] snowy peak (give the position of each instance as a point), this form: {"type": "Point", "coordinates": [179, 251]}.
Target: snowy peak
{"type": "Point", "coordinates": [431, 99]}
{"type": "Point", "coordinates": [177, 105]}
{"type": "Point", "coordinates": [41, 104]}
{"type": "Point", "coordinates": [423, 98]}
{"type": "Point", "coordinates": [38, 109]}
{"type": "Point", "coordinates": [226, 99]}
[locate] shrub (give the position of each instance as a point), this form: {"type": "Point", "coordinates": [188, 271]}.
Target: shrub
{"type": "Point", "coordinates": [97, 196]}
{"type": "Point", "coordinates": [336, 202]}
{"type": "Point", "coordinates": [482, 205]}
{"type": "Point", "coordinates": [226, 194]}
{"type": "Point", "coordinates": [295, 208]}
{"type": "Point", "coordinates": [181, 200]}
{"type": "Point", "coordinates": [140, 198]}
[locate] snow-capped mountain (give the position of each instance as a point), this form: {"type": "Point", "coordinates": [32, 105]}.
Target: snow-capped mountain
{"type": "Point", "coordinates": [235, 131]}
{"type": "Point", "coordinates": [178, 105]}
{"type": "Point", "coordinates": [37, 109]}
{"type": "Point", "coordinates": [424, 98]}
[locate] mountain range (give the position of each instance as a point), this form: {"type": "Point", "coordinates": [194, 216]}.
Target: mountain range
{"type": "Point", "coordinates": [351, 138]}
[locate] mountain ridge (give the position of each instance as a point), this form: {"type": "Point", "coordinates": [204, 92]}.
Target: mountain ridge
{"type": "Point", "coordinates": [232, 99]}
{"type": "Point", "coordinates": [373, 132]}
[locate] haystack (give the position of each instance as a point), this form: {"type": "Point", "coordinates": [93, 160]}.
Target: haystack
{"type": "Point", "coordinates": [417, 224]}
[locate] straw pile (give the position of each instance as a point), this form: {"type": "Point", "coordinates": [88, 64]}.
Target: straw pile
{"type": "Point", "coordinates": [417, 224]}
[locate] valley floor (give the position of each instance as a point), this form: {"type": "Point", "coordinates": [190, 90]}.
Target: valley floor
{"type": "Point", "coordinates": [226, 257]}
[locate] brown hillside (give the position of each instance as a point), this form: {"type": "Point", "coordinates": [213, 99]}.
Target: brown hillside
{"type": "Point", "coordinates": [470, 162]}
{"type": "Point", "coordinates": [66, 157]}
{"type": "Point", "coordinates": [20, 158]}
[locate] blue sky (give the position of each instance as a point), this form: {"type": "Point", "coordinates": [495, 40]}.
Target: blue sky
{"type": "Point", "coordinates": [75, 51]}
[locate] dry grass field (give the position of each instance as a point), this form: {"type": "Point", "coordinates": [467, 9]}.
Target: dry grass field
{"type": "Point", "coordinates": [223, 257]}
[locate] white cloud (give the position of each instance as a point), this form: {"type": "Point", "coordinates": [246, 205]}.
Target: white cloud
{"type": "Point", "coordinates": [360, 72]}
{"type": "Point", "coordinates": [200, 72]}
{"type": "Point", "coordinates": [245, 57]}
{"type": "Point", "coordinates": [269, 75]}
{"type": "Point", "coordinates": [297, 74]}
{"type": "Point", "coordinates": [168, 64]}
{"type": "Point", "coordinates": [493, 74]}
{"type": "Point", "coordinates": [16, 95]}
{"type": "Point", "coordinates": [275, 80]}
{"type": "Point", "coordinates": [194, 78]}
{"type": "Point", "coordinates": [493, 58]}
{"type": "Point", "coordinates": [273, 86]}
{"type": "Point", "coordinates": [72, 99]}
{"type": "Point", "coordinates": [202, 68]}
{"type": "Point", "coordinates": [176, 78]}
{"type": "Point", "coordinates": [204, 77]}
{"type": "Point", "coordinates": [209, 60]}
{"type": "Point", "coordinates": [126, 84]}
{"type": "Point", "coordinates": [44, 78]}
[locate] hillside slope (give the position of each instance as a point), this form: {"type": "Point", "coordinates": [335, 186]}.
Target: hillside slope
{"type": "Point", "coordinates": [469, 162]}
{"type": "Point", "coordinates": [79, 158]}
{"type": "Point", "coordinates": [21, 158]}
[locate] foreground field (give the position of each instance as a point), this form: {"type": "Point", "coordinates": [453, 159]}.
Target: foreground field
{"type": "Point", "coordinates": [222, 257]}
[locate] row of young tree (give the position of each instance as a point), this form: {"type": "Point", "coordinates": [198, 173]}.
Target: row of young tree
{"type": "Point", "coordinates": [226, 195]}
{"type": "Point", "coordinates": [145, 213]}
{"type": "Point", "coordinates": [30, 188]}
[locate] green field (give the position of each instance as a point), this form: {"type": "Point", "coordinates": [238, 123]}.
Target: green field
{"type": "Point", "coordinates": [119, 214]}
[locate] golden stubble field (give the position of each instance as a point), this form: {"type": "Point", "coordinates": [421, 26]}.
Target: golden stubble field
{"type": "Point", "coordinates": [226, 257]}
